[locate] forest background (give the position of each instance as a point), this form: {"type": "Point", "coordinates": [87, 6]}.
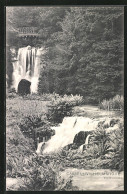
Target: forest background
{"type": "Point", "coordinates": [84, 48]}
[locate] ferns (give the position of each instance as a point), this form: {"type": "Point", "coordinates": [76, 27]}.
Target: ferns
{"type": "Point", "coordinates": [112, 146]}
{"type": "Point", "coordinates": [117, 139]}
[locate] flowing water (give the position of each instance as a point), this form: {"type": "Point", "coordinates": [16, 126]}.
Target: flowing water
{"type": "Point", "coordinates": [87, 140]}
{"type": "Point", "coordinates": [80, 149]}
{"type": "Point", "coordinates": [27, 67]}
{"type": "Point", "coordinates": [66, 131]}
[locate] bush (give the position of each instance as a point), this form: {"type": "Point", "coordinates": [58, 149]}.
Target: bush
{"type": "Point", "coordinates": [109, 146]}
{"type": "Point", "coordinates": [100, 141]}
{"type": "Point", "coordinates": [17, 149]}
{"type": "Point", "coordinates": [116, 103]}
{"type": "Point", "coordinates": [117, 143]}
{"type": "Point", "coordinates": [32, 123]}
{"type": "Point", "coordinates": [43, 177]}
{"type": "Point", "coordinates": [62, 107]}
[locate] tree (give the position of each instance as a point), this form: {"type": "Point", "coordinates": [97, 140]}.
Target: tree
{"type": "Point", "coordinates": [90, 46]}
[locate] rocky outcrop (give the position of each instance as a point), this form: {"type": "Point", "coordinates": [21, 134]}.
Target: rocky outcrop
{"type": "Point", "coordinates": [80, 137]}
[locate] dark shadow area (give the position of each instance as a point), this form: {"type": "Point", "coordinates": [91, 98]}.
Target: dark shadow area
{"type": "Point", "coordinates": [24, 87]}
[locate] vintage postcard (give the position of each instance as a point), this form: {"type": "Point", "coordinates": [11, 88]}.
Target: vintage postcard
{"type": "Point", "coordinates": [64, 98]}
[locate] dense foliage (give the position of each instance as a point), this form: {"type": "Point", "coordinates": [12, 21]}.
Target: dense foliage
{"type": "Point", "coordinates": [116, 103]}
{"type": "Point", "coordinates": [17, 147]}
{"type": "Point", "coordinates": [31, 124]}
{"type": "Point", "coordinates": [42, 177]}
{"type": "Point", "coordinates": [84, 48]}
{"type": "Point", "coordinates": [62, 106]}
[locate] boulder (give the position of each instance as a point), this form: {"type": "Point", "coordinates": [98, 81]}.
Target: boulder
{"type": "Point", "coordinates": [80, 137]}
{"type": "Point", "coordinates": [24, 87]}
{"type": "Point", "coordinates": [113, 122]}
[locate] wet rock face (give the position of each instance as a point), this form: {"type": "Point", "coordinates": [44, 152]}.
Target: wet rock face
{"type": "Point", "coordinates": [24, 87]}
{"type": "Point", "coordinates": [80, 137]}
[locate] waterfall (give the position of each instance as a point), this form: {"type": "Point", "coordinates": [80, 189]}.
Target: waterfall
{"type": "Point", "coordinates": [87, 140]}
{"type": "Point", "coordinates": [66, 131]}
{"type": "Point", "coordinates": [27, 67]}
{"type": "Point", "coordinates": [40, 146]}
{"type": "Point", "coordinates": [85, 144]}
{"type": "Point", "coordinates": [80, 149]}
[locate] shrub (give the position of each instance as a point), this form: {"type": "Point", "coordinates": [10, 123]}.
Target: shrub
{"type": "Point", "coordinates": [116, 103]}
{"type": "Point", "coordinates": [110, 147]}
{"type": "Point", "coordinates": [62, 107]}
{"type": "Point", "coordinates": [17, 149]}
{"type": "Point", "coordinates": [117, 143]}
{"type": "Point", "coordinates": [43, 177]}
{"type": "Point", "coordinates": [57, 112]}
{"type": "Point", "coordinates": [101, 139]}
{"type": "Point", "coordinates": [31, 123]}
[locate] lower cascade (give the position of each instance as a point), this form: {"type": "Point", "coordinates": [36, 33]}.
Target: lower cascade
{"type": "Point", "coordinates": [74, 130]}
{"type": "Point", "coordinates": [65, 133]}
{"type": "Point", "coordinates": [40, 146]}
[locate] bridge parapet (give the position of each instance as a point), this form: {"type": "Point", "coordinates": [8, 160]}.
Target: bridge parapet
{"type": "Point", "coordinates": [27, 32]}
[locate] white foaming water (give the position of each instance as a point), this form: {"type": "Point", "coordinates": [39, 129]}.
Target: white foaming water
{"type": "Point", "coordinates": [65, 133]}
{"type": "Point", "coordinates": [87, 140]}
{"type": "Point", "coordinates": [85, 144]}
{"type": "Point", "coordinates": [38, 151]}
{"type": "Point", "coordinates": [80, 149]}
{"type": "Point", "coordinates": [27, 67]}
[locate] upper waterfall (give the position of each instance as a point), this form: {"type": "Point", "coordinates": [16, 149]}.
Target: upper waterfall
{"type": "Point", "coordinates": [27, 67]}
